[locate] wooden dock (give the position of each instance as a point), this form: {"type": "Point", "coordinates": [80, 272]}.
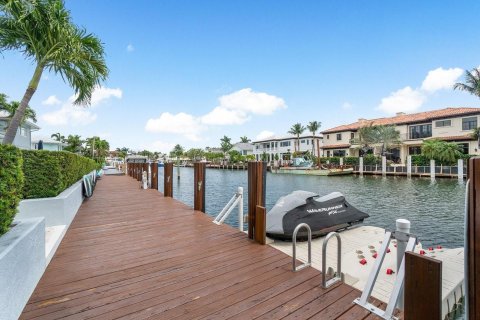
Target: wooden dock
{"type": "Point", "coordinates": [134, 254]}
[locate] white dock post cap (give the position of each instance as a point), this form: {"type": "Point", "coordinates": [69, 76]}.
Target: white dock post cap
{"type": "Point", "coordinates": [403, 225]}
{"type": "Point", "coordinates": [240, 190]}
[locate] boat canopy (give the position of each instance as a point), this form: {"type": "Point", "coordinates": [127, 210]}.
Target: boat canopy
{"type": "Point", "coordinates": [323, 214]}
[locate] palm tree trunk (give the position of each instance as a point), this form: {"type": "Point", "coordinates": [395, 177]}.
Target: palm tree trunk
{"type": "Point", "coordinates": [20, 113]}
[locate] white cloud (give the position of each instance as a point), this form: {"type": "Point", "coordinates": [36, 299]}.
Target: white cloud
{"type": "Point", "coordinates": [72, 115]}
{"type": "Point", "coordinates": [69, 114]}
{"type": "Point", "coordinates": [221, 116]}
{"type": "Point", "coordinates": [180, 123]}
{"type": "Point", "coordinates": [51, 101]}
{"type": "Point", "coordinates": [441, 79]}
{"type": "Point", "coordinates": [103, 93]}
{"type": "Point", "coordinates": [265, 134]}
{"type": "Point", "coordinates": [346, 106]}
{"type": "Point", "coordinates": [250, 101]}
{"type": "Point", "coordinates": [403, 100]}
{"type": "Point", "coordinates": [130, 48]}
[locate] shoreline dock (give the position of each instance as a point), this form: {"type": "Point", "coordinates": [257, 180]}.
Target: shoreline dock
{"type": "Point", "coordinates": [135, 254]}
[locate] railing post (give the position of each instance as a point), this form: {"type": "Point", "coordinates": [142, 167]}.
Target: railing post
{"type": "Point", "coordinates": [432, 169]}
{"type": "Point", "coordinates": [240, 209]}
{"type": "Point", "coordinates": [257, 173]}
{"type": "Point", "coordinates": [199, 186]}
{"type": "Point", "coordinates": [168, 179]}
{"type": "Point", "coordinates": [423, 287]}
{"type": "Point", "coordinates": [460, 169]}
{"type": "Point", "coordinates": [402, 225]}
{"type": "Point", "coordinates": [409, 166]}
{"type": "Point", "coordinates": [154, 175]}
{"type": "Point", "coordinates": [384, 165]}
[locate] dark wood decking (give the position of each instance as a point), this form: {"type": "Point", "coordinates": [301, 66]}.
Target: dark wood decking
{"type": "Point", "coordinates": [133, 254]}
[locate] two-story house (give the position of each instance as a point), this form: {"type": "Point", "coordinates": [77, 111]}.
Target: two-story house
{"type": "Point", "coordinates": [23, 138]}
{"type": "Point", "coordinates": [284, 146]}
{"type": "Point", "coordinates": [449, 124]}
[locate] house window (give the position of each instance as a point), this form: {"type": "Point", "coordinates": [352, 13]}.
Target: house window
{"type": "Point", "coordinates": [303, 141]}
{"type": "Point", "coordinates": [308, 142]}
{"type": "Point", "coordinates": [328, 153]}
{"type": "Point", "coordinates": [420, 131]}
{"type": "Point", "coordinates": [23, 131]}
{"type": "Point", "coordinates": [352, 135]}
{"type": "Point", "coordinates": [339, 153]}
{"type": "Point", "coordinates": [339, 136]}
{"type": "Point", "coordinates": [328, 137]}
{"type": "Point", "coordinates": [443, 123]}
{"type": "Point", "coordinates": [285, 144]}
{"type": "Point", "coordinates": [469, 123]}
{"type": "Point", "coordinates": [463, 148]}
{"type": "Point", "coordinates": [414, 150]}
{"type": "Point", "coordinates": [256, 146]}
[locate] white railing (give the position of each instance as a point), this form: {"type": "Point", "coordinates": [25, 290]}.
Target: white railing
{"type": "Point", "coordinates": [237, 199]}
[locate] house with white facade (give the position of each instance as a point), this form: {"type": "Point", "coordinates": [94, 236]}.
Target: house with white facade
{"type": "Point", "coordinates": [449, 124]}
{"type": "Point", "coordinates": [284, 146]}
{"type": "Point", "coordinates": [48, 144]}
{"type": "Point", "coordinates": [23, 138]}
{"type": "Point", "coordinates": [243, 148]}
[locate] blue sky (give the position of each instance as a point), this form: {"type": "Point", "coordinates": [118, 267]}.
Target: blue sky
{"type": "Point", "coordinates": [189, 72]}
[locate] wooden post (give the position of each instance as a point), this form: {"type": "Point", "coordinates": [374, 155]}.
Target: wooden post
{"type": "Point", "coordinates": [257, 173]}
{"type": "Point", "coordinates": [139, 172]}
{"type": "Point", "coordinates": [260, 225]}
{"type": "Point", "coordinates": [168, 179]}
{"type": "Point", "coordinates": [473, 239]}
{"type": "Point", "coordinates": [199, 186]}
{"type": "Point", "coordinates": [154, 171]}
{"type": "Point", "coordinates": [423, 287]}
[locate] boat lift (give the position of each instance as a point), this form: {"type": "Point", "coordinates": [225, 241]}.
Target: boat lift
{"type": "Point", "coordinates": [237, 199]}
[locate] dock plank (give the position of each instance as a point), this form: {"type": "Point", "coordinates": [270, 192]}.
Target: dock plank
{"type": "Point", "coordinates": [134, 254]}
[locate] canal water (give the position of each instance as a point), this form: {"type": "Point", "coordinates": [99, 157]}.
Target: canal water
{"type": "Point", "coordinates": [435, 208]}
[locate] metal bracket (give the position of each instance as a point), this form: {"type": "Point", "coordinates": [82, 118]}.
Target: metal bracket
{"type": "Point", "coordinates": [294, 247]}
{"type": "Point", "coordinates": [386, 314]}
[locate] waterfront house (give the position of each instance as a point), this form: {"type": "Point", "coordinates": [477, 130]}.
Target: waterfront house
{"type": "Point", "coordinates": [243, 148]}
{"type": "Point", "coordinates": [449, 124]}
{"type": "Point", "coordinates": [23, 138]}
{"type": "Point", "coordinates": [48, 144]}
{"type": "Point", "coordinates": [284, 146]}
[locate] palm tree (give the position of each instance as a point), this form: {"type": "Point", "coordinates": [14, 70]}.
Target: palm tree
{"type": "Point", "coordinates": [58, 137]}
{"type": "Point", "coordinates": [244, 139]}
{"type": "Point", "coordinates": [11, 107]}
{"type": "Point", "coordinates": [472, 82]}
{"type": "Point", "coordinates": [297, 129]}
{"type": "Point", "coordinates": [387, 135]}
{"type": "Point", "coordinates": [367, 137]}
{"type": "Point", "coordinates": [43, 31]}
{"type": "Point", "coordinates": [226, 144]}
{"type": "Point", "coordinates": [313, 127]}
{"type": "Point", "coordinates": [74, 143]}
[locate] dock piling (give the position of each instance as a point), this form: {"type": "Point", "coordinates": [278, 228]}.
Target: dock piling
{"type": "Point", "coordinates": [402, 225]}
{"type": "Point", "coordinates": [154, 175]}
{"type": "Point", "coordinates": [199, 186]}
{"type": "Point", "coordinates": [409, 166]}
{"type": "Point", "coordinates": [360, 163]}
{"type": "Point", "coordinates": [167, 180]}
{"type": "Point", "coordinates": [257, 174]}
{"type": "Point", "coordinates": [460, 169]}
{"type": "Point", "coordinates": [432, 169]}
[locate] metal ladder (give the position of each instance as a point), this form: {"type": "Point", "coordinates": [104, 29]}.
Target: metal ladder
{"type": "Point", "coordinates": [338, 274]}
{"type": "Point", "coordinates": [398, 285]}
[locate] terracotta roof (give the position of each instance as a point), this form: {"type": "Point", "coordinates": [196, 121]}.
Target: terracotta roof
{"type": "Point", "coordinates": [336, 146]}
{"type": "Point", "coordinates": [407, 118]}
{"type": "Point", "coordinates": [454, 138]}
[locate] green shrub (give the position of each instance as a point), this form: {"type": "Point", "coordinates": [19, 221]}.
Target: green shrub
{"type": "Point", "coordinates": [331, 160]}
{"type": "Point", "coordinates": [351, 161]}
{"type": "Point", "coordinates": [420, 160]}
{"type": "Point", "coordinates": [371, 160]}
{"type": "Point", "coordinates": [11, 184]}
{"type": "Point", "coordinates": [48, 173]}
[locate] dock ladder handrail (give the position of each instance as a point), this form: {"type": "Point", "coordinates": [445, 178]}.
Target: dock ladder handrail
{"type": "Point", "coordinates": [237, 199]}
{"type": "Point", "coordinates": [386, 314]}
{"type": "Point", "coordinates": [337, 276]}
{"type": "Point", "coordinates": [294, 247]}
